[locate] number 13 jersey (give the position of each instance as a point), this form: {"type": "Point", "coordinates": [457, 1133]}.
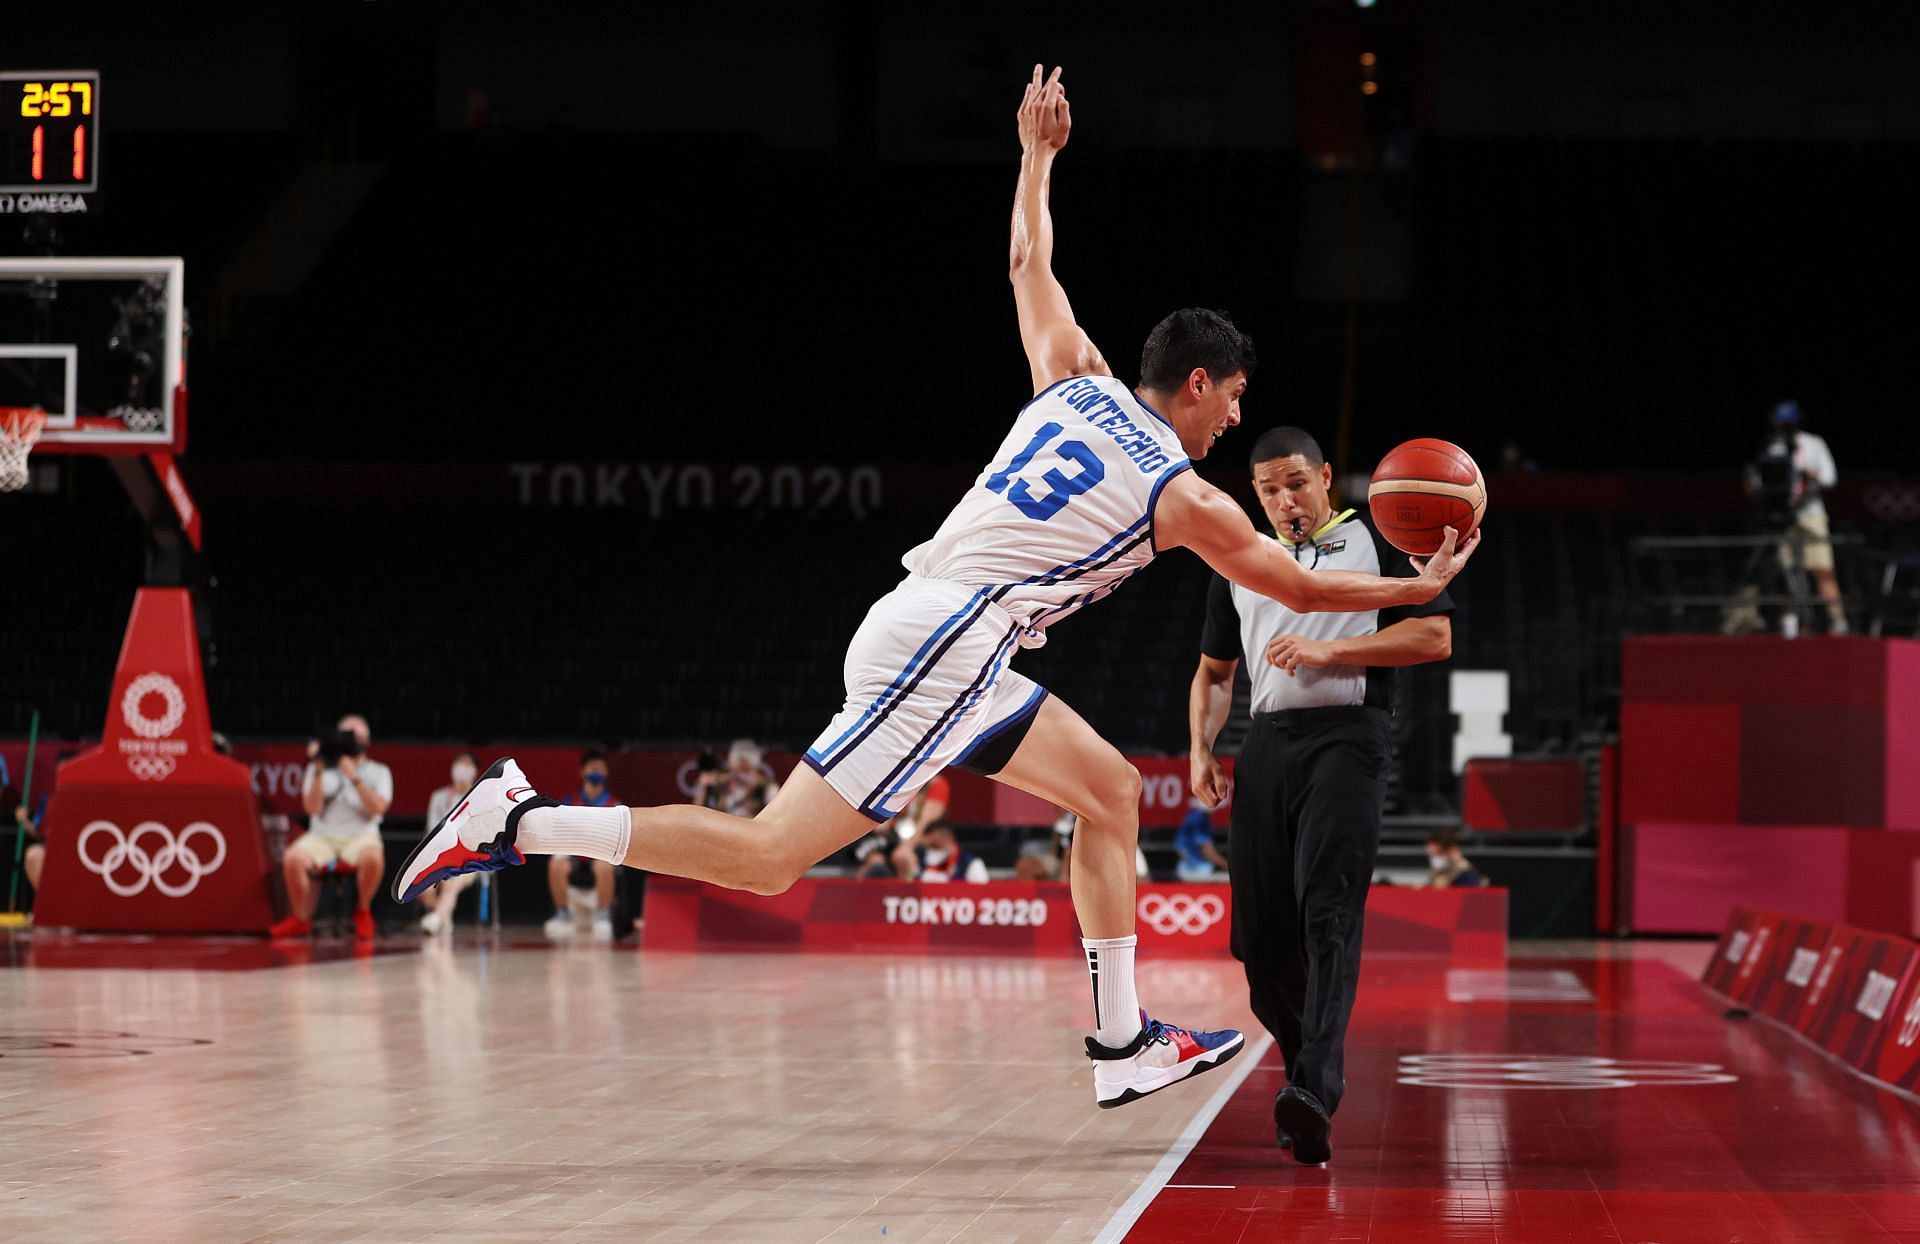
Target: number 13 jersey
{"type": "Point", "coordinates": [1063, 515]}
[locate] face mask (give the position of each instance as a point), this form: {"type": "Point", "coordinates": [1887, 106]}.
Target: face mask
{"type": "Point", "coordinates": [1438, 862]}
{"type": "Point", "coordinates": [935, 858]}
{"type": "Point", "coordinates": [595, 779]}
{"type": "Point", "coordinates": [463, 775]}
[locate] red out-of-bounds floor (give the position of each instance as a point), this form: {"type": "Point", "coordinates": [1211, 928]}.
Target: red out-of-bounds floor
{"type": "Point", "coordinates": [1559, 1100]}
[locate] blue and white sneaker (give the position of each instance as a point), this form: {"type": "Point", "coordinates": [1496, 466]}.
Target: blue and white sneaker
{"type": "Point", "coordinates": [477, 836]}
{"type": "Point", "coordinates": [1159, 1056]}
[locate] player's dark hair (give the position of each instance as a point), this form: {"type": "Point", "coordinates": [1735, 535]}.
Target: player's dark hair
{"type": "Point", "coordinates": [1285, 443]}
{"type": "Point", "coordinates": [1194, 337]}
{"type": "Point", "coordinates": [592, 754]}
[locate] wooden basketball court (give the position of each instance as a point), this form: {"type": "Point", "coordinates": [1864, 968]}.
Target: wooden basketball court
{"type": "Point", "coordinates": [220, 1089]}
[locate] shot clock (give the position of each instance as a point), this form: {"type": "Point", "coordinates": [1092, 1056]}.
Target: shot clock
{"type": "Point", "coordinates": [49, 140]}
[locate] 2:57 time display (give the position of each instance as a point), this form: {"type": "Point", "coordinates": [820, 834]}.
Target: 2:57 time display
{"type": "Point", "coordinates": [56, 99]}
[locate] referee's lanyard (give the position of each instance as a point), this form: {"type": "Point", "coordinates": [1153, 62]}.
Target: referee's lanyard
{"type": "Point", "coordinates": [1314, 539]}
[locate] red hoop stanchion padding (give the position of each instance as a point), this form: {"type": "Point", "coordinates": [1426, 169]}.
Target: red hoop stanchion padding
{"type": "Point", "coordinates": [20, 428]}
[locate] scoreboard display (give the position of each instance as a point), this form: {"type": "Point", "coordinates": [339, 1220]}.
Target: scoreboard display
{"type": "Point", "coordinates": [49, 140]}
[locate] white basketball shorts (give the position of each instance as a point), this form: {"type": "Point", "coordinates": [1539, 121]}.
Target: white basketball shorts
{"type": "Point", "coordinates": [927, 687]}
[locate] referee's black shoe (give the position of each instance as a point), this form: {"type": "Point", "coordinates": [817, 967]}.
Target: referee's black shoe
{"type": "Point", "coordinates": [1300, 1118]}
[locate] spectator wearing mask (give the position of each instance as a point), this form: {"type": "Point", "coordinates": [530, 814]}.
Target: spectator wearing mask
{"type": "Point", "coordinates": [1449, 865]}
{"type": "Point", "coordinates": [441, 900]}
{"type": "Point", "coordinates": [566, 873]}
{"type": "Point", "coordinates": [938, 857]}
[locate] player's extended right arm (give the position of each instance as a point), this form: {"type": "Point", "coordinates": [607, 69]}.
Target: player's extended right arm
{"type": "Point", "coordinates": [1195, 514]}
{"type": "Point", "coordinates": [1057, 347]}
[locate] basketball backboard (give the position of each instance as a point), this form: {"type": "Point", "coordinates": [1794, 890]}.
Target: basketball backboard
{"type": "Point", "coordinates": [100, 346]}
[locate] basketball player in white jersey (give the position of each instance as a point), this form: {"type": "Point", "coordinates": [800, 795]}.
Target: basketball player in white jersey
{"type": "Point", "coordinates": [1091, 482]}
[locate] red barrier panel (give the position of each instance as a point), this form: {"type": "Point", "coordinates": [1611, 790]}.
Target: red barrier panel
{"type": "Point", "coordinates": [153, 830]}
{"type": "Point", "coordinates": [833, 915]}
{"type": "Point", "coordinates": [1827, 982]}
{"type": "Point", "coordinates": [1686, 877]}
{"type": "Point", "coordinates": [1897, 1061]}
{"type": "Point", "coordinates": [1861, 1000]}
{"type": "Point", "coordinates": [1528, 793]}
{"type": "Point", "coordinates": [1735, 941]}
{"type": "Point", "coordinates": [1756, 961]}
{"type": "Point", "coordinates": [1795, 953]}
{"type": "Point", "coordinates": [1859, 1004]}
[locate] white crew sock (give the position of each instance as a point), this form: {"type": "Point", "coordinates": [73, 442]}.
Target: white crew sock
{"type": "Point", "coordinates": [1116, 1012]}
{"type": "Point", "coordinates": [597, 833]}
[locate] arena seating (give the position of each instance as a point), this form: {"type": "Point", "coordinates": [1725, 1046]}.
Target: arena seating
{"type": "Point", "coordinates": [571, 625]}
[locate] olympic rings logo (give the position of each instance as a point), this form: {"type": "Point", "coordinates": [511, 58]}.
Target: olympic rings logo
{"type": "Point", "coordinates": [1167, 914]}
{"type": "Point", "coordinates": [173, 854]}
{"type": "Point", "coordinates": [153, 727]}
{"type": "Point", "coordinates": [1505, 1072]}
{"type": "Point", "coordinates": [151, 768]}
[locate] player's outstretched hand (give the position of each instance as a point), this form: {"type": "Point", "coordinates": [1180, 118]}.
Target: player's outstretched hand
{"type": "Point", "coordinates": [1439, 569]}
{"type": "Point", "coordinates": [1044, 116]}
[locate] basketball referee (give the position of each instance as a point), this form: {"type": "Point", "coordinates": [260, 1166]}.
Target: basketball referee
{"type": "Point", "coordinates": [1312, 776]}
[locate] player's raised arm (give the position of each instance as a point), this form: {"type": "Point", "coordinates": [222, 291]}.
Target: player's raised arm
{"type": "Point", "coordinates": [1194, 513]}
{"type": "Point", "coordinates": [1056, 346]}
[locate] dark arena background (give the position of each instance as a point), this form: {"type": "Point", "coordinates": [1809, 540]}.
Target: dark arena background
{"type": "Point", "coordinates": [565, 381]}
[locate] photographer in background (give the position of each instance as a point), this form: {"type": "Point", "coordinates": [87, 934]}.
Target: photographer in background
{"type": "Point", "coordinates": [345, 793]}
{"type": "Point", "coordinates": [1794, 470]}
{"type": "Point", "coordinates": [743, 787]}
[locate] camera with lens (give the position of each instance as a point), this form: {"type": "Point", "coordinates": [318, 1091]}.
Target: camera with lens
{"type": "Point", "coordinates": [337, 743]}
{"type": "Point", "coordinates": [1777, 484]}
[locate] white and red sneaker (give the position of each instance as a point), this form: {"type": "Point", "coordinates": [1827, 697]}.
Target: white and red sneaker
{"type": "Point", "coordinates": [1161, 1055]}
{"type": "Point", "coordinates": [477, 836]}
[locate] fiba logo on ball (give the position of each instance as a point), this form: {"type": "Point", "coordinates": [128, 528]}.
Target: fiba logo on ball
{"type": "Point", "coordinates": [171, 855]}
{"type": "Point", "coordinates": [1167, 914]}
{"type": "Point", "coordinates": [132, 709]}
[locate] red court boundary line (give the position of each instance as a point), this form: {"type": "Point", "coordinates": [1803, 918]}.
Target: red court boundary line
{"type": "Point", "coordinates": [1157, 1179]}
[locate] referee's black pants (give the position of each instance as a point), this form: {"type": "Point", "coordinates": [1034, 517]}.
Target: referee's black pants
{"type": "Point", "coordinates": [1308, 790]}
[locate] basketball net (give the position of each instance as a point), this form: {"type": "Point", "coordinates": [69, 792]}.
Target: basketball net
{"type": "Point", "coordinates": [19, 428]}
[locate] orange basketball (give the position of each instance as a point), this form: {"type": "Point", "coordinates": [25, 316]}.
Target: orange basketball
{"type": "Point", "coordinates": [1420, 489]}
